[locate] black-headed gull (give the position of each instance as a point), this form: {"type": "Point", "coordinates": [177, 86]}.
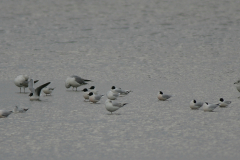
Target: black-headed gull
{"type": "Point", "coordinates": [162, 96]}
{"type": "Point", "coordinates": [35, 93]}
{"type": "Point", "coordinates": [209, 107]}
{"type": "Point", "coordinates": [47, 90]}
{"type": "Point", "coordinates": [94, 98]}
{"type": "Point", "coordinates": [223, 103]}
{"type": "Point", "coordinates": [195, 105]}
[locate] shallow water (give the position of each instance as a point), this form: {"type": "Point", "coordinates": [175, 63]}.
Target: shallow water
{"type": "Point", "coordinates": [186, 48]}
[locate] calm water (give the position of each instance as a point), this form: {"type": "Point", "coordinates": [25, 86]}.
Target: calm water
{"type": "Point", "coordinates": [187, 48]}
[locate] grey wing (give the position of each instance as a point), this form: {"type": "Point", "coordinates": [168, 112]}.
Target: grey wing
{"type": "Point", "coordinates": [25, 83]}
{"type": "Point", "coordinates": [213, 106]}
{"type": "Point", "coordinates": [79, 80]}
{"type": "Point", "coordinates": [98, 97]}
{"type": "Point", "coordinates": [199, 104]}
{"type": "Point", "coordinates": [115, 104]}
{"type": "Point", "coordinates": [30, 84]}
{"type": "Point", "coordinates": [38, 89]}
{"type": "Point", "coordinates": [115, 94]}
{"type": "Point", "coordinates": [228, 102]}
{"type": "Point", "coordinates": [6, 113]}
{"type": "Point", "coordinates": [166, 96]}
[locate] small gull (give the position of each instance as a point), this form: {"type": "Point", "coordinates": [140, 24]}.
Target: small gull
{"type": "Point", "coordinates": [209, 107]}
{"type": "Point", "coordinates": [113, 106]}
{"type": "Point", "coordinates": [94, 98]}
{"type": "Point", "coordinates": [22, 81]}
{"type": "Point", "coordinates": [35, 93]}
{"type": "Point", "coordinates": [121, 91]}
{"type": "Point", "coordinates": [75, 81]}
{"type": "Point", "coordinates": [162, 96]}
{"type": "Point", "coordinates": [85, 94]}
{"type": "Point", "coordinates": [19, 110]}
{"type": "Point", "coordinates": [93, 89]}
{"type": "Point", "coordinates": [195, 105]}
{"type": "Point", "coordinates": [4, 114]}
{"type": "Point", "coordinates": [112, 95]}
{"type": "Point", "coordinates": [47, 90]}
{"type": "Point", "coordinates": [223, 103]}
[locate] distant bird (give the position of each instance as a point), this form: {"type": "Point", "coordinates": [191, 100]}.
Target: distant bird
{"type": "Point", "coordinates": [93, 89]}
{"type": "Point", "coordinates": [75, 81]}
{"type": "Point", "coordinates": [35, 93]}
{"type": "Point", "coordinates": [113, 106]}
{"type": "Point", "coordinates": [112, 95]}
{"type": "Point", "coordinates": [94, 98]}
{"type": "Point", "coordinates": [22, 81]}
{"type": "Point", "coordinates": [47, 90]}
{"type": "Point", "coordinates": [195, 105]}
{"type": "Point", "coordinates": [19, 110]}
{"type": "Point", "coordinates": [237, 84]}
{"type": "Point", "coordinates": [4, 114]}
{"type": "Point", "coordinates": [223, 103]}
{"type": "Point", "coordinates": [85, 94]}
{"type": "Point", "coordinates": [209, 107]}
{"type": "Point", "coordinates": [121, 91]}
{"type": "Point", "coordinates": [162, 96]}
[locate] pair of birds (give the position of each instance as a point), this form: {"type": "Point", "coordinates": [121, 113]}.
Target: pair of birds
{"type": "Point", "coordinates": [207, 107]}
{"type": "Point", "coordinates": [5, 114]}
{"type": "Point", "coordinates": [110, 105]}
{"type": "Point", "coordinates": [22, 81]}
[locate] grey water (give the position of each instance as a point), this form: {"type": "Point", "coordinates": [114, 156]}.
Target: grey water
{"type": "Point", "coordinates": [186, 48]}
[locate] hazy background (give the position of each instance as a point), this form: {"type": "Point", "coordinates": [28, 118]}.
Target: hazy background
{"type": "Point", "coordinates": [187, 48]}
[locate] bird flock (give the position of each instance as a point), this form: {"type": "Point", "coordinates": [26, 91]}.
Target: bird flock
{"type": "Point", "coordinates": [91, 95]}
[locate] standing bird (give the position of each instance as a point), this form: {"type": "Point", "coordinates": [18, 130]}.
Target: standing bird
{"type": "Point", "coordinates": [19, 110]}
{"type": "Point", "coordinates": [237, 84]}
{"type": "Point", "coordinates": [35, 93]}
{"type": "Point", "coordinates": [113, 106]}
{"type": "Point", "coordinates": [94, 98]}
{"type": "Point", "coordinates": [22, 81]}
{"type": "Point", "coordinates": [195, 105]}
{"type": "Point", "coordinates": [85, 94]}
{"type": "Point", "coordinates": [4, 114]}
{"type": "Point", "coordinates": [223, 103]}
{"type": "Point", "coordinates": [47, 90]}
{"type": "Point", "coordinates": [93, 89]}
{"type": "Point", "coordinates": [163, 97]}
{"type": "Point", "coordinates": [209, 107]}
{"type": "Point", "coordinates": [75, 81]}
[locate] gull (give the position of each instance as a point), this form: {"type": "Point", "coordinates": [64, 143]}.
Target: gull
{"type": "Point", "coordinates": [113, 106]}
{"type": "Point", "coordinates": [19, 110]}
{"type": "Point", "coordinates": [47, 90]}
{"type": "Point", "coordinates": [121, 91]}
{"type": "Point", "coordinates": [75, 81]}
{"type": "Point", "coordinates": [223, 103]}
{"type": "Point", "coordinates": [35, 93]}
{"type": "Point", "coordinates": [162, 96]}
{"type": "Point", "coordinates": [237, 84]}
{"type": "Point", "coordinates": [112, 95]}
{"type": "Point", "coordinates": [4, 114]}
{"type": "Point", "coordinates": [195, 105]}
{"type": "Point", "coordinates": [209, 107]}
{"type": "Point", "coordinates": [22, 81]}
{"type": "Point", "coordinates": [93, 89]}
{"type": "Point", "coordinates": [94, 98]}
{"type": "Point", "coordinates": [86, 94]}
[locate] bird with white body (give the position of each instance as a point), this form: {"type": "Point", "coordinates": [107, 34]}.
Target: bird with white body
{"type": "Point", "coordinates": [75, 81]}
{"type": "Point", "coordinates": [112, 106]}
{"type": "Point", "coordinates": [195, 105]}
{"type": "Point", "coordinates": [35, 93]}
